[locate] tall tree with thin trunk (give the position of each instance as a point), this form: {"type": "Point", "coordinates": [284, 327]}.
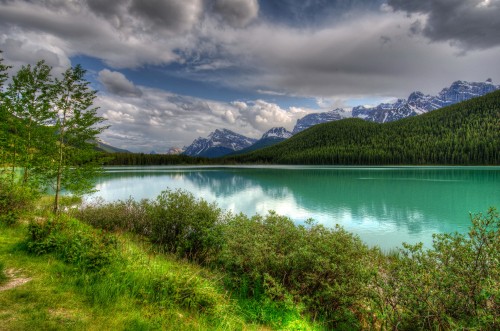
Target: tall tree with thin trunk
{"type": "Point", "coordinates": [4, 137]}
{"type": "Point", "coordinates": [75, 159]}
{"type": "Point", "coordinates": [29, 102]}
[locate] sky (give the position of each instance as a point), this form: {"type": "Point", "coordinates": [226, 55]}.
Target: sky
{"type": "Point", "coordinates": [169, 71]}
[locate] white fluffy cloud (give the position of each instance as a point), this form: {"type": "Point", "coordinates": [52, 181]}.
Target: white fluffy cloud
{"type": "Point", "coordinates": [160, 120]}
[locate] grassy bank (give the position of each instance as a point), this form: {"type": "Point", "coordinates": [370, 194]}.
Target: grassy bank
{"type": "Point", "coordinates": [179, 263]}
{"type": "Point", "coordinates": [137, 290]}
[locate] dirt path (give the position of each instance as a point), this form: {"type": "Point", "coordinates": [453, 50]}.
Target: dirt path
{"type": "Point", "coordinates": [15, 280]}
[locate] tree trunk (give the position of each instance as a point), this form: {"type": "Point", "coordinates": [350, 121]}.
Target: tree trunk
{"type": "Point", "coordinates": [59, 177]}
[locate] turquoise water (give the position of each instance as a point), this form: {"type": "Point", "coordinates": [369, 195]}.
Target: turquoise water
{"type": "Point", "coordinates": [385, 206]}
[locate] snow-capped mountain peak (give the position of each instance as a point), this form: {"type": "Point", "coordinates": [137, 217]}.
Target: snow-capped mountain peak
{"type": "Point", "coordinates": [280, 132]}
{"type": "Point", "coordinates": [418, 103]}
{"type": "Point", "coordinates": [218, 143]}
{"type": "Point", "coordinates": [317, 118]}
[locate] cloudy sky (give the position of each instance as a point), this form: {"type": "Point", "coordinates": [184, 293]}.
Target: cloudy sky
{"type": "Point", "coordinates": [169, 71]}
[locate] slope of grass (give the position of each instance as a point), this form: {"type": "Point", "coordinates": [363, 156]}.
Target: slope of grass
{"type": "Point", "coordinates": [140, 290]}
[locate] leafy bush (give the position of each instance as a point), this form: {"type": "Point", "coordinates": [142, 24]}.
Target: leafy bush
{"type": "Point", "coordinates": [188, 227]}
{"type": "Point", "coordinates": [323, 268]}
{"type": "Point", "coordinates": [128, 215]}
{"type": "Point", "coordinates": [278, 270]}
{"type": "Point", "coordinates": [456, 284]}
{"type": "Point", "coordinates": [14, 201]}
{"type": "Point", "coordinates": [175, 222]}
{"type": "Point", "coordinates": [73, 242]}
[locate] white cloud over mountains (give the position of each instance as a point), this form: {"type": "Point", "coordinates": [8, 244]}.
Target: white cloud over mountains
{"type": "Point", "coordinates": [159, 119]}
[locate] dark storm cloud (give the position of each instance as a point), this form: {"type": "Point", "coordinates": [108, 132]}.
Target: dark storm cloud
{"type": "Point", "coordinates": [473, 24]}
{"type": "Point", "coordinates": [237, 13]}
{"type": "Point", "coordinates": [105, 8]}
{"type": "Point", "coordinates": [173, 15]}
{"type": "Point", "coordinates": [64, 26]}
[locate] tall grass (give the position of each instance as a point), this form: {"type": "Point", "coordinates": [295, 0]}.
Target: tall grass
{"type": "Point", "coordinates": [109, 271]}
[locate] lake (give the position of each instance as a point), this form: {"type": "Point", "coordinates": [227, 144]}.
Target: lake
{"type": "Point", "coordinates": [385, 206]}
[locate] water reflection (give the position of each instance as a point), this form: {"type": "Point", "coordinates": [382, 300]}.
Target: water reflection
{"type": "Point", "coordinates": [384, 206]}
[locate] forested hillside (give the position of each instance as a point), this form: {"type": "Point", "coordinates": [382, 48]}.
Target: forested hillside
{"type": "Point", "coordinates": [467, 133]}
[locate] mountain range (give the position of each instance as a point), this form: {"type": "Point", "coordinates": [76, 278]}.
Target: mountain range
{"type": "Point", "coordinates": [224, 142]}
{"type": "Point", "coordinates": [465, 133]}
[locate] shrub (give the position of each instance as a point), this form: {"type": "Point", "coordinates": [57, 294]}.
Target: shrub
{"type": "Point", "coordinates": [14, 201]}
{"type": "Point", "coordinates": [128, 215]}
{"type": "Point", "coordinates": [185, 226]}
{"type": "Point", "coordinates": [453, 285]}
{"type": "Point", "coordinates": [175, 222]}
{"type": "Point", "coordinates": [73, 242]}
{"type": "Point", "coordinates": [323, 268]}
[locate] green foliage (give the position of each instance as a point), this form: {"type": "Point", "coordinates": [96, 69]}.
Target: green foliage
{"type": "Point", "coordinates": [454, 285]}
{"type": "Point", "coordinates": [76, 161]}
{"type": "Point", "coordinates": [28, 102]}
{"type": "Point", "coordinates": [280, 265]}
{"type": "Point", "coordinates": [73, 242]}
{"type": "Point", "coordinates": [183, 225]}
{"type": "Point", "coordinates": [175, 222]}
{"type": "Point", "coordinates": [463, 134]}
{"type": "Point", "coordinates": [278, 271]}
{"type": "Point", "coordinates": [15, 200]}
{"type": "Point", "coordinates": [324, 269]}
{"type": "Point", "coordinates": [128, 216]}
{"type": "Point", "coordinates": [47, 128]}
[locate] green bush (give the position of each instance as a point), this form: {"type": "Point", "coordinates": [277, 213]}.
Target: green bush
{"type": "Point", "coordinates": [185, 226]}
{"type": "Point", "coordinates": [14, 201]}
{"type": "Point", "coordinates": [325, 269]}
{"type": "Point", "coordinates": [175, 222]}
{"type": "Point", "coordinates": [129, 216]}
{"type": "Point", "coordinates": [454, 285]}
{"type": "Point", "coordinates": [73, 242]}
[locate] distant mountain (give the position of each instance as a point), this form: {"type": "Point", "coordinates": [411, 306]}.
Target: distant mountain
{"type": "Point", "coordinates": [418, 103]}
{"type": "Point", "coordinates": [109, 149]}
{"type": "Point", "coordinates": [466, 133]}
{"type": "Point", "coordinates": [270, 138]}
{"type": "Point", "coordinates": [318, 118]}
{"type": "Point", "coordinates": [219, 143]}
{"type": "Point", "coordinates": [279, 133]}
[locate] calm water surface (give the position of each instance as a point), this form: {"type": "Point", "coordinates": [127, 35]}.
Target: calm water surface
{"type": "Point", "coordinates": [385, 206]}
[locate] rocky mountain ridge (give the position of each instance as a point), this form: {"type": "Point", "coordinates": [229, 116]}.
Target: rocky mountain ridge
{"type": "Point", "coordinates": [222, 141]}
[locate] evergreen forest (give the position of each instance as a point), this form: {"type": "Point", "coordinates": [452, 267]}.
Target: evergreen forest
{"type": "Point", "coordinates": [467, 133]}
